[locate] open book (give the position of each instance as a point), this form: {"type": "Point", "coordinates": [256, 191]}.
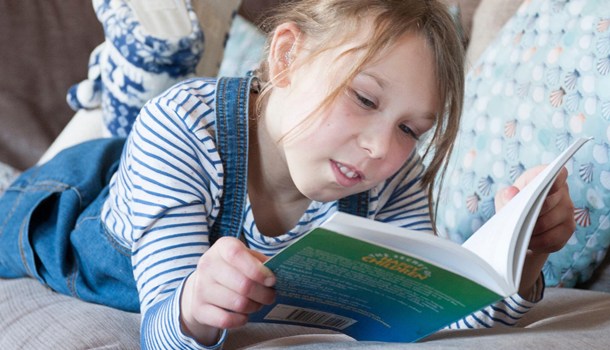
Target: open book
{"type": "Point", "coordinates": [375, 281]}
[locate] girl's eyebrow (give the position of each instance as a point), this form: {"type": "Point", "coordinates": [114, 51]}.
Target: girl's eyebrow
{"type": "Point", "coordinates": [380, 81]}
{"type": "Point", "coordinates": [430, 116]}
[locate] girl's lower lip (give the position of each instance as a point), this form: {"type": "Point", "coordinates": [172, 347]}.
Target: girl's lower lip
{"type": "Point", "coordinates": [341, 178]}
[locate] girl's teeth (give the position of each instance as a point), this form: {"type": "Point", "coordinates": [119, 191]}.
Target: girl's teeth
{"type": "Point", "coordinates": [347, 172]}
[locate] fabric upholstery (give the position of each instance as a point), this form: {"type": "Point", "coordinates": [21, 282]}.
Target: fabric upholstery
{"type": "Point", "coordinates": [467, 10]}
{"type": "Point", "coordinates": [215, 18]}
{"type": "Point", "coordinates": [565, 319]}
{"type": "Point", "coordinates": [487, 20]}
{"type": "Point", "coordinates": [45, 47]}
{"type": "Point", "coordinates": [34, 317]}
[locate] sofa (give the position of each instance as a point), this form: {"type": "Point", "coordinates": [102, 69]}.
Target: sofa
{"type": "Point", "coordinates": [46, 50]}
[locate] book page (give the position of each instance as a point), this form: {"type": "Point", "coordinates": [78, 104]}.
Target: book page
{"type": "Point", "coordinates": [502, 241]}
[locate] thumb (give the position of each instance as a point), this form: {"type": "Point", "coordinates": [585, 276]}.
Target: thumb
{"type": "Point", "coordinates": [260, 256]}
{"type": "Point", "coordinates": [504, 195]}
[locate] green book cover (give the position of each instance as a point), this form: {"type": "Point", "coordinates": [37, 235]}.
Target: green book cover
{"type": "Point", "coordinates": [368, 292]}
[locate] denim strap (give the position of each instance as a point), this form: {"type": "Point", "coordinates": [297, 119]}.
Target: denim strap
{"type": "Point", "coordinates": [356, 204]}
{"type": "Point", "coordinates": [232, 96]}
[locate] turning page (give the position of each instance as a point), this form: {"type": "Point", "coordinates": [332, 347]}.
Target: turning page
{"type": "Point", "coordinates": [503, 240]}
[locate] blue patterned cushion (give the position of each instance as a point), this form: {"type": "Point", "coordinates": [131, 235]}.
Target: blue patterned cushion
{"type": "Point", "coordinates": [543, 81]}
{"type": "Point", "coordinates": [132, 66]}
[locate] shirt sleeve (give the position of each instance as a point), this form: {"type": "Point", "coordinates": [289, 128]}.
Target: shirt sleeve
{"type": "Point", "coordinates": [161, 327]}
{"type": "Point", "coordinates": [401, 201]}
{"type": "Point", "coordinates": [162, 200]}
{"type": "Point", "coordinates": [507, 312]}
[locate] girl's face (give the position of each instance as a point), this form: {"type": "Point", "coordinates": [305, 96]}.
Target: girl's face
{"type": "Point", "coordinates": [367, 133]}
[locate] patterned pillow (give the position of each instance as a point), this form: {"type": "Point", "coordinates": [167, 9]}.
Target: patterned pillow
{"type": "Point", "coordinates": [244, 49]}
{"type": "Point", "coordinates": [146, 50]}
{"type": "Point", "coordinates": [543, 81]}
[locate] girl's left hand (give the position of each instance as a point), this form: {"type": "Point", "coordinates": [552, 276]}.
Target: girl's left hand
{"type": "Point", "coordinates": [553, 229]}
{"type": "Point", "coordinates": [555, 224]}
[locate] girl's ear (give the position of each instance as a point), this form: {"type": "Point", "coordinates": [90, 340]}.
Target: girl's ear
{"type": "Point", "coordinates": [282, 53]}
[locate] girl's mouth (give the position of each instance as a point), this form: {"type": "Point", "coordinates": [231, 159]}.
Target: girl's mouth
{"type": "Point", "coordinates": [345, 175]}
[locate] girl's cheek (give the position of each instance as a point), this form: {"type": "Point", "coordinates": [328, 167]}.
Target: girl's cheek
{"type": "Point", "coordinates": [402, 153]}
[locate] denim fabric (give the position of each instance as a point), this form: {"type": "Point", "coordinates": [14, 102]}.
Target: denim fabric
{"type": "Point", "coordinates": [51, 228]}
{"type": "Point", "coordinates": [232, 96]}
{"type": "Point", "coordinates": [356, 204]}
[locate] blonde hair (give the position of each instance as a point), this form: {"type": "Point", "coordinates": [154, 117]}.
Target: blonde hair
{"type": "Point", "coordinates": [326, 24]}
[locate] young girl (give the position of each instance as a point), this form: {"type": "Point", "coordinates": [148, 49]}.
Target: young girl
{"type": "Point", "coordinates": [218, 175]}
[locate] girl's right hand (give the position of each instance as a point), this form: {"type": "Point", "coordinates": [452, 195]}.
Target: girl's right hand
{"type": "Point", "coordinates": [230, 282]}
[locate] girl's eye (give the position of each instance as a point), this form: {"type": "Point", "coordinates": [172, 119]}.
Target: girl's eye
{"type": "Point", "coordinates": [407, 130]}
{"type": "Point", "coordinates": [365, 102]}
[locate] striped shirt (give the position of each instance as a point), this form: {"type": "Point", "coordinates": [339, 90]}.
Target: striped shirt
{"type": "Point", "coordinates": [166, 196]}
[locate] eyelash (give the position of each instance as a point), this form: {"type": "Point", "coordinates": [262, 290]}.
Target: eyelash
{"type": "Point", "coordinates": [365, 102]}
{"type": "Point", "coordinates": [368, 104]}
{"type": "Point", "coordinates": [407, 130]}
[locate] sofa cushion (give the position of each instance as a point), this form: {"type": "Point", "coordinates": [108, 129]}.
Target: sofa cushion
{"type": "Point", "coordinates": [467, 9]}
{"type": "Point", "coordinates": [487, 20]}
{"type": "Point", "coordinates": [34, 317]}
{"type": "Point", "coordinates": [45, 46]}
{"type": "Point", "coordinates": [215, 18]}
{"type": "Point", "coordinates": [542, 82]}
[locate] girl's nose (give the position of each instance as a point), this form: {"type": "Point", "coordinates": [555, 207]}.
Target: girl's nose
{"type": "Point", "coordinates": [375, 140]}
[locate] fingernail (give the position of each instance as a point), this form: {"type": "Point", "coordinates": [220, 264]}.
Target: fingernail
{"type": "Point", "coordinates": [269, 281]}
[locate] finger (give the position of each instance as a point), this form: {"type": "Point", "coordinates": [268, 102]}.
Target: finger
{"type": "Point", "coordinates": [551, 240]}
{"type": "Point", "coordinates": [555, 200]}
{"type": "Point", "coordinates": [552, 231]}
{"type": "Point", "coordinates": [557, 210]}
{"type": "Point", "coordinates": [560, 180]}
{"type": "Point", "coordinates": [239, 284]}
{"type": "Point", "coordinates": [226, 298]}
{"type": "Point", "coordinates": [260, 256]}
{"type": "Point", "coordinates": [235, 253]}
{"type": "Point", "coordinates": [504, 195]}
{"type": "Point", "coordinates": [528, 176]}
{"type": "Point", "coordinates": [563, 228]}
{"type": "Point", "coordinates": [551, 202]}
{"type": "Point", "coordinates": [219, 317]}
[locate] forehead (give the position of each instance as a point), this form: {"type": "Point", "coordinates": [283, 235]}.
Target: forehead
{"type": "Point", "coordinates": [365, 42]}
{"type": "Point", "coordinates": [406, 67]}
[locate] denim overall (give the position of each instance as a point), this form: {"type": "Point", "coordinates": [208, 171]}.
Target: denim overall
{"type": "Point", "coordinates": [50, 224]}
